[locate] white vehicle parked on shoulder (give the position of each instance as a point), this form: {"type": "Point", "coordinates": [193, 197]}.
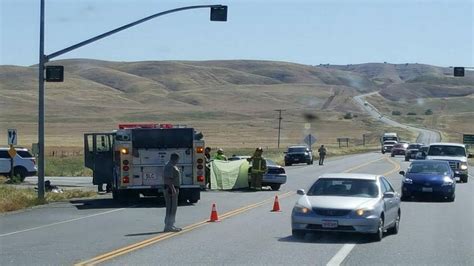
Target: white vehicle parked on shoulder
{"type": "Point", "coordinates": [24, 163]}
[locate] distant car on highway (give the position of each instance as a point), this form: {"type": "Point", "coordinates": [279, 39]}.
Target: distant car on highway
{"type": "Point", "coordinates": [398, 149]}
{"type": "Point", "coordinates": [298, 154]}
{"type": "Point", "coordinates": [428, 177]}
{"type": "Point", "coordinates": [346, 202]}
{"type": "Point", "coordinates": [412, 150]}
{"type": "Point", "coordinates": [274, 177]}
{"type": "Point", "coordinates": [454, 153]}
{"type": "Point", "coordinates": [422, 152]}
{"type": "Point", "coordinates": [24, 163]}
{"type": "Point", "coordinates": [388, 145]}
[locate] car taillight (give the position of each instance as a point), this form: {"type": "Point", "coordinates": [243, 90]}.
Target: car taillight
{"type": "Point", "coordinates": [34, 161]}
{"type": "Point", "coordinates": [126, 168]}
{"type": "Point", "coordinates": [200, 178]}
{"type": "Point", "coordinates": [126, 180]}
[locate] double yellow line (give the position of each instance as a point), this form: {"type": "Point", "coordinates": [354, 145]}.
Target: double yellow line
{"type": "Point", "coordinates": [162, 237]}
{"type": "Point", "coordinates": [147, 242]}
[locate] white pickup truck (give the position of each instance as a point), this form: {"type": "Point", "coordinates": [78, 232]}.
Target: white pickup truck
{"type": "Point", "coordinates": [455, 154]}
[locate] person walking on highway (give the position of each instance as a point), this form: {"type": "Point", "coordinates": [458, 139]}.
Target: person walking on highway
{"type": "Point", "coordinates": [322, 154]}
{"type": "Point", "coordinates": [259, 167]}
{"type": "Point", "coordinates": [220, 155]}
{"type": "Point", "coordinates": [172, 180]}
{"type": "Point", "coordinates": [207, 154]}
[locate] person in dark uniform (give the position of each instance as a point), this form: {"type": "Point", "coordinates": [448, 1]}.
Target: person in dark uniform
{"type": "Point", "coordinates": [207, 154]}
{"type": "Point", "coordinates": [322, 154]}
{"type": "Point", "coordinates": [172, 180]}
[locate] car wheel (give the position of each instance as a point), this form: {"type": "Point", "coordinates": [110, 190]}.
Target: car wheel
{"type": "Point", "coordinates": [275, 187]}
{"type": "Point", "coordinates": [407, 159]}
{"type": "Point", "coordinates": [288, 164]}
{"type": "Point", "coordinates": [383, 152]}
{"type": "Point", "coordinates": [451, 198]}
{"type": "Point", "coordinates": [392, 155]}
{"type": "Point", "coordinates": [298, 234]}
{"type": "Point", "coordinates": [404, 198]}
{"type": "Point", "coordinates": [395, 228]}
{"type": "Point", "coordinates": [464, 178]}
{"type": "Point", "coordinates": [379, 234]}
{"type": "Point", "coordinates": [21, 172]}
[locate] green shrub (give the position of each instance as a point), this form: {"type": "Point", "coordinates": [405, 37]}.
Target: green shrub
{"type": "Point", "coordinates": [429, 112]}
{"type": "Point", "coordinates": [348, 116]}
{"type": "Point", "coordinates": [411, 113]}
{"type": "Point", "coordinates": [396, 113]}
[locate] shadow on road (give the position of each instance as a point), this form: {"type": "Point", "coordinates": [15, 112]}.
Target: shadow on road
{"type": "Point", "coordinates": [330, 238]}
{"type": "Point", "coordinates": [108, 203]}
{"type": "Point", "coordinates": [146, 234]}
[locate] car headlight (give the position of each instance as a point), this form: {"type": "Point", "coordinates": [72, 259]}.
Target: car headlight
{"type": "Point", "coordinates": [407, 180]}
{"type": "Point", "coordinates": [463, 166]}
{"type": "Point", "coordinates": [301, 209]}
{"type": "Point", "coordinates": [363, 212]}
{"type": "Point", "coordinates": [447, 181]}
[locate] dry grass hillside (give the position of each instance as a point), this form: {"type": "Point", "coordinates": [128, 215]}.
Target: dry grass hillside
{"type": "Point", "coordinates": [232, 102]}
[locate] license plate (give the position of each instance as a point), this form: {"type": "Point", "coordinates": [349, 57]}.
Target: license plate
{"type": "Point", "coordinates": [427, 189]}
{"type": "Point", "coordinates": [150, 176]}
{"type": "Point", "coordinates": [329, 224]}
{"type": "Point", "coordinates": [297, 160]}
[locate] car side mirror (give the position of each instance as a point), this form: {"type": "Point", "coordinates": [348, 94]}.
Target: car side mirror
{"type": "Point", "coordinates": [300, 192]}
{"type": "Point", "coordinates": [389, 195]}
{"type": "Point", "coordinates": [402, 172]}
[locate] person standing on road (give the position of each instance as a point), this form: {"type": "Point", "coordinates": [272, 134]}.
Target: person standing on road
{"type": "Point", "coordinates": [172, 180]}
{"type": "Point", "coordinates": [322, 154]}
{"type": "Point", "coordinates": [220, 155]}
{"type": "Point", "coordinates": [207, 154]}
{"type": "Point", "coordinates": [259, 167]}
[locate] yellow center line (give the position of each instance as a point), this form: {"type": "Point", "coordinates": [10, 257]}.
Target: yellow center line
{"type": "Point", "coordinates": [397, 167]}
{"type": "Point", "coordinates": [147, 242]}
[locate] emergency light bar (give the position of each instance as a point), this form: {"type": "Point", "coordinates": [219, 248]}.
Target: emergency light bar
{"type": "Point", "coordinates": [150, 125]}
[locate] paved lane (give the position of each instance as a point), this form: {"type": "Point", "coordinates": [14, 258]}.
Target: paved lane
{"type": "Point", "coordinates": [85, 228]}
{"type": "Point", "coordinates": [424, 135]}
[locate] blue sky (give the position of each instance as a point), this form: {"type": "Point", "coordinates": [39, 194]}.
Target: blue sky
{"type": "Point", "coordinates": [309, 32]}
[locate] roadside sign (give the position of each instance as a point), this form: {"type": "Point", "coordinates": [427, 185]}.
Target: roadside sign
{"type": "Point", "coordinates": [459, 71]}
{"type": "Point", "coordinates": [12, 151]}
{"type": "Point", "coordinates": [309, 140]}
{"type": "Point", "coordinates": [468, 138]}
{"type": "Point", "coordinates": [54, 73]}
{"type": "Point", "coordinates": [12, 136]}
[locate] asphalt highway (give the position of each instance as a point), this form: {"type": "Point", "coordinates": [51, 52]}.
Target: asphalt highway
{"type": "Point", "coordinates": [99, 231]}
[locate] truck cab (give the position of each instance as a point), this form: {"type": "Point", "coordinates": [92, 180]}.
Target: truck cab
{"type": "Point", "coordinates": [455, 154]}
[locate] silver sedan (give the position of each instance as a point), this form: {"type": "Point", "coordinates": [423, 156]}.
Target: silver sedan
{"type": "Point", "coordinates": [347, 202]}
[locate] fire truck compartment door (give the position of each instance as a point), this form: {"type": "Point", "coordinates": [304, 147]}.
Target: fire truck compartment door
{"type": "Point", "coordinates": [160, 157]}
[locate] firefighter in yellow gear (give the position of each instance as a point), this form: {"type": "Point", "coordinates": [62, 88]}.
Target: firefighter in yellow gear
{"type": "Point", "coordinates": [259, 167]}
{"type": "Point", "coordinates": [220, 155]}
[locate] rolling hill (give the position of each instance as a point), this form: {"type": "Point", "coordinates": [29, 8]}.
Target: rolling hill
{"type": "Point", "coordinates": [233, 98]}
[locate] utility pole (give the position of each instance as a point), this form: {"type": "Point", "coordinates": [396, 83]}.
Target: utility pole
{"type": "Point", "coordinates": [279, 124]}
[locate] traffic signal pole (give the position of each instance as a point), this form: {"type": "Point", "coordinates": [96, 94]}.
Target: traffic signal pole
{"type": "Point", "coordinates": [218, 13]}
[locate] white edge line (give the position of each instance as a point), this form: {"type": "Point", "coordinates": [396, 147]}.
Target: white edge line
{"type": "Point", "coordinates": [341, 255]}
{"type": "Point", "coordinates": [62, 222]}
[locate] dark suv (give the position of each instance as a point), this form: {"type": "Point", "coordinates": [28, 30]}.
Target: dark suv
{"type": "Point", "coordinates": [298, 154]}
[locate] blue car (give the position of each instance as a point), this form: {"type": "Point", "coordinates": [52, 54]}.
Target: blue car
{"type": "Point", "coordinates": [429, 177]}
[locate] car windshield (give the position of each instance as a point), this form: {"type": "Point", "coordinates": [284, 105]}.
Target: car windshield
{"type": "Point", "coordinates": [390, 142]}
{"type": "Point", "coordinates": [296, 149]}
{"type": "Point", "coordinates": [270, 162]}
{"type": "Point", "coordinates": [344, 187]}
{"type": "Point", "coordinates": [444, 150]}
{"type": "Point", "coordinates": [441, 168]}
{"type": "Point", "coordinates": [414, 146]}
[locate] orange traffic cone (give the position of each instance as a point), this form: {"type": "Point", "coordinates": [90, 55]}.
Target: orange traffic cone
{"type": "Point", "coordinates": [214, 217]}
{"type": "Point", "coordinates": [276, 205]}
